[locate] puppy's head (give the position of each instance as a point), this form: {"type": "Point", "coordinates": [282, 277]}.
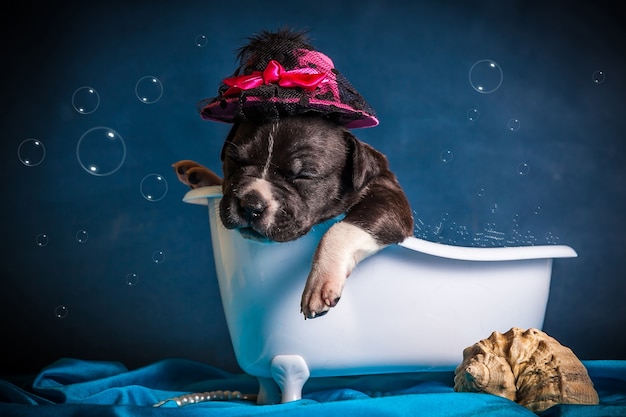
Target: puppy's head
{"type": "Point", "coordinates": [281, 178]}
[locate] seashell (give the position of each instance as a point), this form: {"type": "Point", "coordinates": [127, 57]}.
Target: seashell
{"type": "Point", "coordinates": [525, 366]}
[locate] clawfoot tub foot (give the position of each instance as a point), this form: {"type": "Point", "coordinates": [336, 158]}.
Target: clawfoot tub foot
{"type": "Point", "coordinates": [290, 373]}
{"type": "Point", "coordinates": [269, 392]}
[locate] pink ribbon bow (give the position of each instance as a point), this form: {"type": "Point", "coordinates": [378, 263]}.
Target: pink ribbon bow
{"type": "Point", "coordinates": [274, 73]}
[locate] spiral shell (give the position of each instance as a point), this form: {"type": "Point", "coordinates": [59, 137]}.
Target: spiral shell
{"type": "Point", "coordinates": [525, 366]}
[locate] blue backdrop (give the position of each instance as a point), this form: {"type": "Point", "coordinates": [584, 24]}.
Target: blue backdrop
{"type": "Point", "coordinates": [504, 122]}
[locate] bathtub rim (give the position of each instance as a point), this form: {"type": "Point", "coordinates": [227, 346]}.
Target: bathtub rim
{"type": "Point", "coordinates": [201, 195]}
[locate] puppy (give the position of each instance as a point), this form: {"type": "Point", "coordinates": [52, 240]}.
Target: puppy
{"type": "Point", "coordinates": [283, 177]}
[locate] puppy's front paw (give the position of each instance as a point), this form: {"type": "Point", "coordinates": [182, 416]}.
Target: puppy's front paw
{"type": "Point", "coordinates": [195, 175]}
{"type": "Point", "coordinates": [320, 294]}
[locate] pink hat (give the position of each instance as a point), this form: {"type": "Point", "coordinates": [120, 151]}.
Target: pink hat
{"type": "Point", "coordinates": [280, 75]}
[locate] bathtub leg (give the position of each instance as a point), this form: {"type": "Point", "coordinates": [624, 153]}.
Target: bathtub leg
{"type": "Point", "coordinates": [290, 373]}
{"type": "Point", "coordinates": [269, 393]}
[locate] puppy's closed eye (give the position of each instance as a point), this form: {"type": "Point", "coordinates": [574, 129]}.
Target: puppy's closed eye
{"type": "Point", "coordinates": [305, 175]}
{"type": "Point", "coordinates": [300, 170]}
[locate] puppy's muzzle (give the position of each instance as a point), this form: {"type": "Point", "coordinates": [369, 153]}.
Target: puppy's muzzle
{"type": "Point", "coordinates": [249, 215]}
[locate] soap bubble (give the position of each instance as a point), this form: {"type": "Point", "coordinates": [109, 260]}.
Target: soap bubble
{"type": "Point", "coordinates": [463, 232]}
{"type": "Point", "coordinates": [598, 77]}
{"type": "Point", "coordinates": [551, 238]}
{"type": "Point", "coordinates": [485, 76]}
{"type": "Point", "coordinates": [61, 311]}
{"type": "Point", "coordinates": [82, 236]}
{"type": "Point", "coordinates": [513, 125]}
{"type": "Point", "coordinates": [201, 41]}
{"type": "Point", "coordinates": [529, 238]}
{"type": "Point", "coordinates": [473, 114]}
{"type": "Point", "coordinates": [148, 89]}
{"type": "Point", "coordinates": [153, 187]}
{"type": "Point", "coordinates": [85, 100]}
{"type": "Point", "coordinates": [31, 152]}
{"type": "Point", "coordinates": [158, 257]}
{"type": "Point", "coordinates": [437, 228]}
{"type": "Point", "coordinates": [101, 151]}
{"type": "Point", "coordinates": [523, 168]}
{"type": "Point", "coordinates": [446, 156]}
{"type": "Point", "coordinates": [132, 279]}
{"type": "Point", "coordinates": [41, 239]}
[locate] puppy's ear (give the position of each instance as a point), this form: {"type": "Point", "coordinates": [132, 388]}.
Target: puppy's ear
{"type": "Point", "coordinates": [364, 163]}
{"type": "Point", "coordinates": [229, 138]}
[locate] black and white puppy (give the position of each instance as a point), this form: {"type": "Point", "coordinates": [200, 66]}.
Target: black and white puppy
{"type": "Point", "coordinates": [281, 178]}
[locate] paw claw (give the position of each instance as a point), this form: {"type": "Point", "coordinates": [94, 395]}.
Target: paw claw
{"type": "Point", "coordinates": [332, 303]}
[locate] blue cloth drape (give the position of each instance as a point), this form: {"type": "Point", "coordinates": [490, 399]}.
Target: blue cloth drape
{"type": "Point", "coordinates": [71, 387]}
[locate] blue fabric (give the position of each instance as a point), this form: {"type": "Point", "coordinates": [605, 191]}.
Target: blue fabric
{"type": "Point", "coordinates": [71, 387]}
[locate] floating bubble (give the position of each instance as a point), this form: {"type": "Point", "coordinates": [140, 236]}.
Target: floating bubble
{"type": "Point", "coordinates": [41, 239]}
{"type": "Point", "coordinates": [132, 279]}
{"type": "Point", "coordinates": [153, 187]}
{"type": "Point", "coordinates": [438, 228]}
{"type": "Point", "coordinates": [101, 151]}
{"type": "Point", "coordinates": [201, 41]}
{"type": "Point", "coordinates": [473, 114]}
{"type": "Point", "coordinates": [463, 232]}
{"type": "Point", "coordinates": [485, 76]}
{"type": "Point", "coordinates": [551, 238]}
{"type": "Point", "coordinates": [148, 89]}
{"type": "Point", "coordinates": [31, 152]}
{"type": "Point", "coordinates": [598, 77]}
{"type": "Point", "coordinates": [529, 238]}
{"type": "Point", "coordinates": [85, 100]}
{"type": "Point", "coordinates": [491, 236]}
{"type": "Point", "coordinates": [419, 226]}
{"type": "Point", "coordinates": [523, 168]}
{"type": "Point", "coordinates": [158, 257]}
{"type": "Point", "coordinates": [516, 225]}
{"type": "Point", "coordinates": [446, 156]}
{"type": "Point", "coordinates": [513, 125]}
{"type": "Point", "coordinates": [82, 236]}
{"type": "Point", "coordinates": [61, 311]}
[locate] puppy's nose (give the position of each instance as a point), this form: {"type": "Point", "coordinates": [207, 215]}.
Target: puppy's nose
{"type": "Point", "coordinates": [253, 206]}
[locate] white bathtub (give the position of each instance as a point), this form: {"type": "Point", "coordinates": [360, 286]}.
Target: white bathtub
{"type": "Point", "coordinates": [412, 306]}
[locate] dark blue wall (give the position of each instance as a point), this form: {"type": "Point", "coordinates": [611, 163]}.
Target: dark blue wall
{"type": "Point", "coordinates": [540, 160]}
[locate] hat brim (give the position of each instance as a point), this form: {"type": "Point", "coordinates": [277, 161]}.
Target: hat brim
{"type": "Point", "coordinates": [233, 109]}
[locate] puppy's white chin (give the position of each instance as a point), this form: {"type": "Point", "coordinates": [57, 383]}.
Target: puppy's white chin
{"type": "Point", "coordinates": [251, 234]}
